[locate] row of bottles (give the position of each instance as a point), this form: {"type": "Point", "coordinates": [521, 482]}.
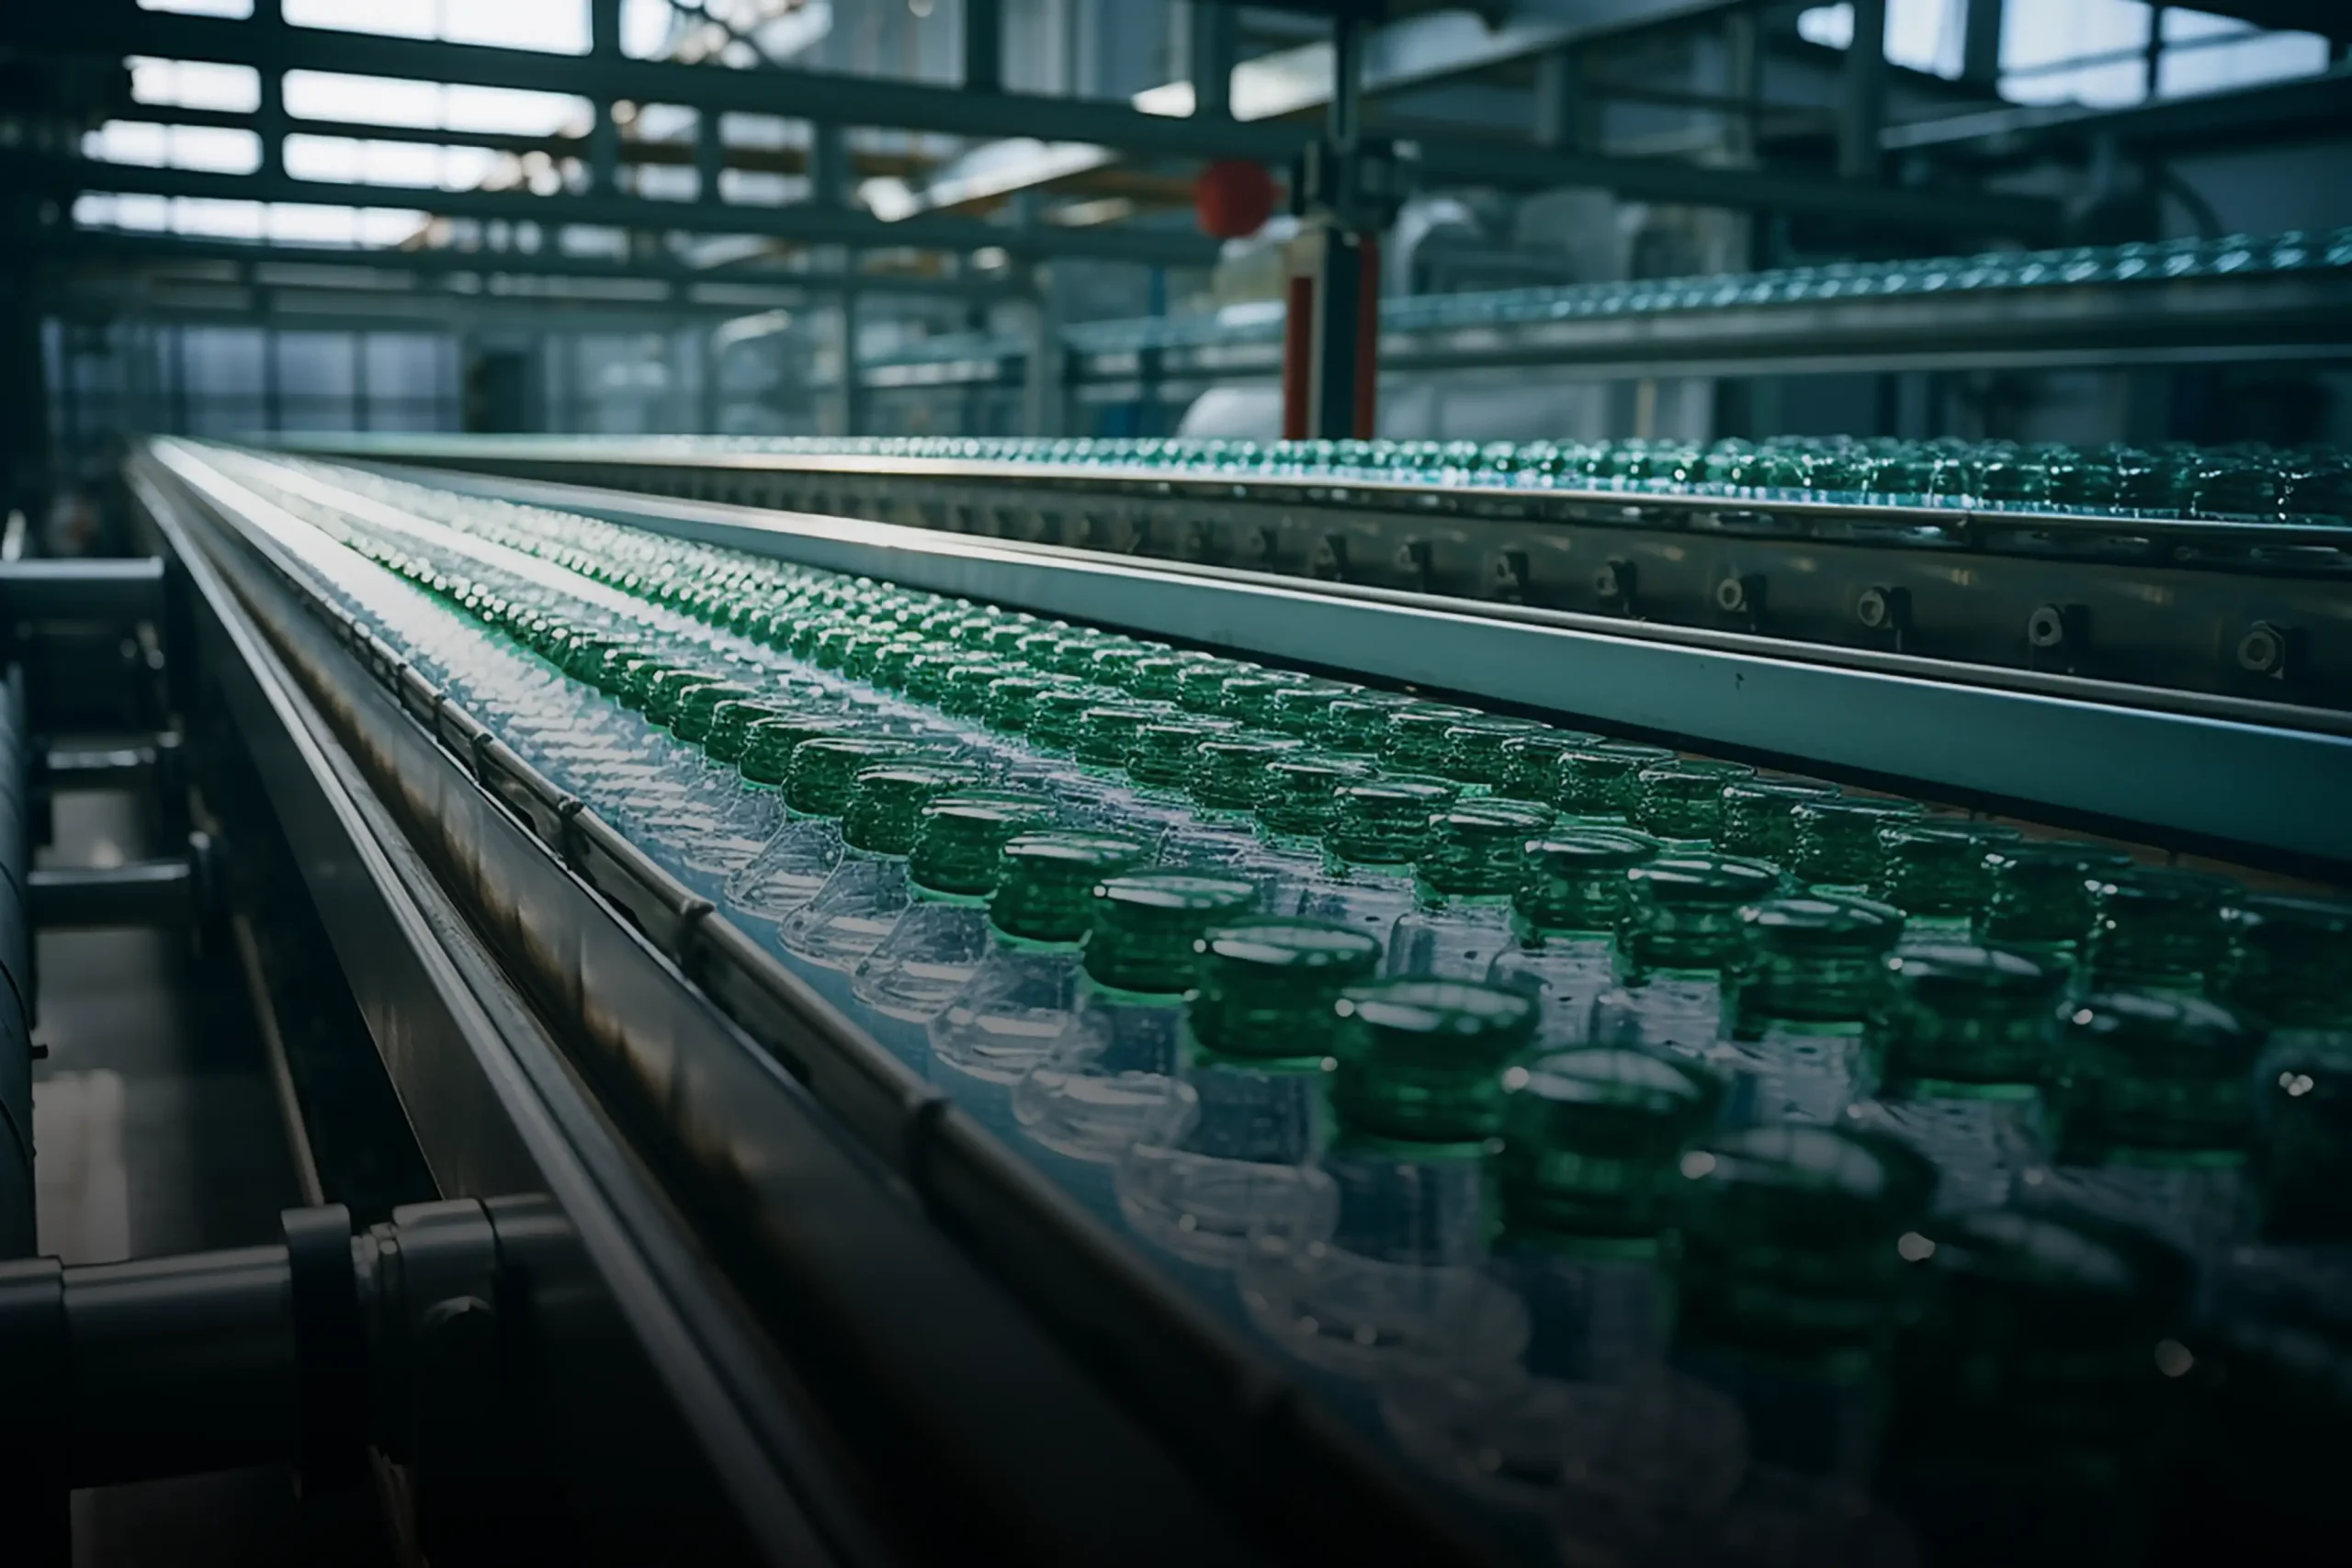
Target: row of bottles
{"type": "Point", "coordinates": [1679, 1162]}
{"type": "Point", "coordinates": [2294, 252]}
{"type": "Point", "coordinates": [2245, 483]}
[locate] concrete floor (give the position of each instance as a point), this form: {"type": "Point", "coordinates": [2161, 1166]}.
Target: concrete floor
{"type": "Point", "coordinates": [156, 1131]}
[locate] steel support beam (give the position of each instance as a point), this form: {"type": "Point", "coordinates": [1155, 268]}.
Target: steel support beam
{"type": "Point", "coordinates": [850, 100]}
{"type": "Point", "coordinates": [983, 46]}
{"type": "Point", "coordinates": [82, 589]}
{"type": "Point", "coordinates": [144, 893]}
{"type": "Point", "coordinates": [1979, 50]}
{"type": "Point", "coordinates": [807, 223]}
{"type": "Point", "coordinates": [1212, 39]}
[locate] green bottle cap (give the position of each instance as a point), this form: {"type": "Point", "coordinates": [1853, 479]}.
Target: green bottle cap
{"type": "Point", "coordinates": [1837, 840]}
{"type": "Point", "coordinates": [833, 645]}
{"type": "Point", "coordinates": [1385, 821]}
{"type": "Point", "coordinates": [2290, 961]}
{"type": "Point", "coordinates": [1107, 735]}
{"type": "Point", "coordinates": [968, 684]}
{"type": "Point", "coordinates": [1041, 651]}
{"type": "Point", "coordinates": [1477, 752]}
{"type": "Point", "coordinates": [960, 845]}
{"type": "Point", "coordinates": [885, 806]}
{"type": "Point", "coordinates": [1421, 1061]}
{"type": "Point", "coordinates": [1268, 987]}
{"type": "Point", "coordinates": [1817, 959]}
{"type": "Point", "coordinates": [1045, 885]}
{"type": "Point", "coordinates": [1200, 685]}
{"type": "Point", "coordinates": [1229, 774]}
{"type": "Point", "coordinates": [698, 708]}
{"type": "Point", "coordinates": [1147, 925]}
{"type": "Point", "coordinates": [2037, 894]}
{"type": "Point", "coordinates": [1683, 798]}
{"type": "Point", "coordinates": [893, 665]}
{"type": "Point", "coordinates": [821, 778]}
{"type": "Point", "coordinates": [1789, 1240]}
{"type": "Point", "coordinates": [1686, 910]}
{"type": "Point", "coordinates": [1301, 798]}
{"type": "Point", "coordinates": [2157, 926]}
{"type": "Point", "coordinates": [1114, 665]}
{"type": "Point", "coordinates": [1355, 726]}
{"type": "Point", "coordinates": [1008, 701]}
{"type": "Point", "coordinates": [769, 744]}
{"type": "Point", "coordinates": [1074, 655]}
{"type": "Point", "coordinates": [2153, 1076]}
{"type": "Point", "coordinates": [1471, 854]}
{"type": "Point", "coordinates": [864, 651]}
{"type": "Point", "coordinates": [1251, 698]}
{"type": "Point", "coordinates": [1535, 762]}
{"type": "Point", "coordinates": [639, 674]}
{"type": "Point", "coordinates": [927, 676]}
{"type": "Point", "coordinates": [1415, 739]}
{"type": "Point", "coordinates": [1300, 709]}
{"type": "Point", "coordinates": [1934, 869]}
{"type": "Point", "coordinates": [730, 728]}
{"type": "Point", "coordinates": [1603, 779]}
{"type": "Point", "coordinates": [1057, 713]}
{"type": "Point", "coordinates": [588, 655]}
{"type": "Point", "coordinates": [1963, 1021]}
{"type": "Point", "coordinates": [1575, 883]}
{"type": "Point", "coordinates": [1153, 676]}
{"type": "Point", "coordinates": [1590, 1138]}
{"type": "Point", "coordinates": [1166, 750]}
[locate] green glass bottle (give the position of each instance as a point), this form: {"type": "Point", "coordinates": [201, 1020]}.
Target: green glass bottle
{"type": "Point", "coordinates": [1302, 796]}
{"type": "Point", "coordinates": [1471, 864]}
{"type": "Point", "coordinates": [1683, 931]}
{"type": "Point", "coordinates": [2037, 897]}
{"type": "Point", "coordinates": [1421, 1061]}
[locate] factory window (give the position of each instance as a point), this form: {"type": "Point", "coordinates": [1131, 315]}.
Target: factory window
{"type": "Point", "coordinates": [234, 10]}
{"type": "Point", "coordinates": [557, 26]}
{"type": "Point", "coordinates": [428, 105]}
{"type": "Point", "coordinates": [212, 148]}
{"type": "Point", "coordinates": [194, 84]}
{"type": "Point", "coordinates": [1922, 34]}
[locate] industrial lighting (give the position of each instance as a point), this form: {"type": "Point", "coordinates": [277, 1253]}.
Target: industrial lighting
{"type": "Point", "coordinates": [1086, 214]}
{"type": "Point", "coordinates": [992, 258]}
{"type": "Point", "coordinates": [922, 9]}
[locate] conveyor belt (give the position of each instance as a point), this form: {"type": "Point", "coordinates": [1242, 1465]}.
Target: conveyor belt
{"type": "Point", "coordinates": [1165, 1336]}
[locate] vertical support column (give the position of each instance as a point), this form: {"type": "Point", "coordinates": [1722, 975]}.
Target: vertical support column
{"type": "Point", "coordinates": [359, 420]}
{"type": "Point", "coordinates": [1980, 44]}
{"type": "Point", "coordinates": [827, 165]}
{"type": "Point", "coordinates": [848, 390]}
{"type": "Point", "coordinates": [710, 154]}
{"type": "Point", "coordinates": [1862, 114]}
{"type": "Point", "coordinates": [2152, 58]}
{"type": "Point", "coordinates": [1331, 347]}
{"type": "Point", "coordinates": [984, 46]}
{"type": "Point", "coordinates": [1212, 40]}
{"type": "Point", "coordinates": [272, 411]}
{"type": "Point", "coordinates": [266, 26]}
{"type": "Point", "coordinates": [604, 136]}
{"type": "Point", "coordinates": [1041, 389]}
{"type": "Point", "coordinates": [1559, 106]}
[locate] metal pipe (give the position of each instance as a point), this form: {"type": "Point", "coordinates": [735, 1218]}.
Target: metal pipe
{"type": "Point", "coordinates": [82, 589]}
{"type": "Point", "coordinates": [144, 893]}
{"type": "Point", "coordinates": [1863, 112]}
{"type": "Point", "coordinates": [180, 1365]}
{"type": "Point", "coordinates": [16, 1207]}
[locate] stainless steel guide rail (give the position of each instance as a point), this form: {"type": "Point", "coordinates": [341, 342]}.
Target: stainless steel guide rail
{"type": "Point", "coordinates": [849, 1291]}
{"type": "Point", "coordinates": [2251, 620]}
{"type": "Point", "coordinates": [2263, 783]}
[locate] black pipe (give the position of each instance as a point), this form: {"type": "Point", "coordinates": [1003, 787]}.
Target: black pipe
{"type": "Point", "coordinates": [16, 1228]}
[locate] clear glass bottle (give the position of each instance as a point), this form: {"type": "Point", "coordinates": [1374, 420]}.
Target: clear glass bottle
{"type": "Point", "coordinates": [1258, 1030]}
{"type": "Point", "coordinates": [820, 775]}
{"type": "Point", "coordinates": [1471, 864]}
{"type": "Point", "coordinates": [940, 941]}
{"type": "Point", "coordinates": [1967, 1049]}
{"type": "Point", "coordinates": [1110, 1081]}
{"type": "Point", "coordinates": [870, 889]}
{"type": "Point", "coordinates": [1810, 985]}
{"type": "Point", "coordinates": [2155, 1106]}
{"type": "Point", "coordinates": [1023, 995]}
{"type": "Point", "coordinates": [1421, 1061]}
{"type": "Point", "coordinates": [1683, 931]}
{"type": "Point", "coordinates": [1571, 903]}
{"type": "Point", "coordinates": [1376, 834]}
